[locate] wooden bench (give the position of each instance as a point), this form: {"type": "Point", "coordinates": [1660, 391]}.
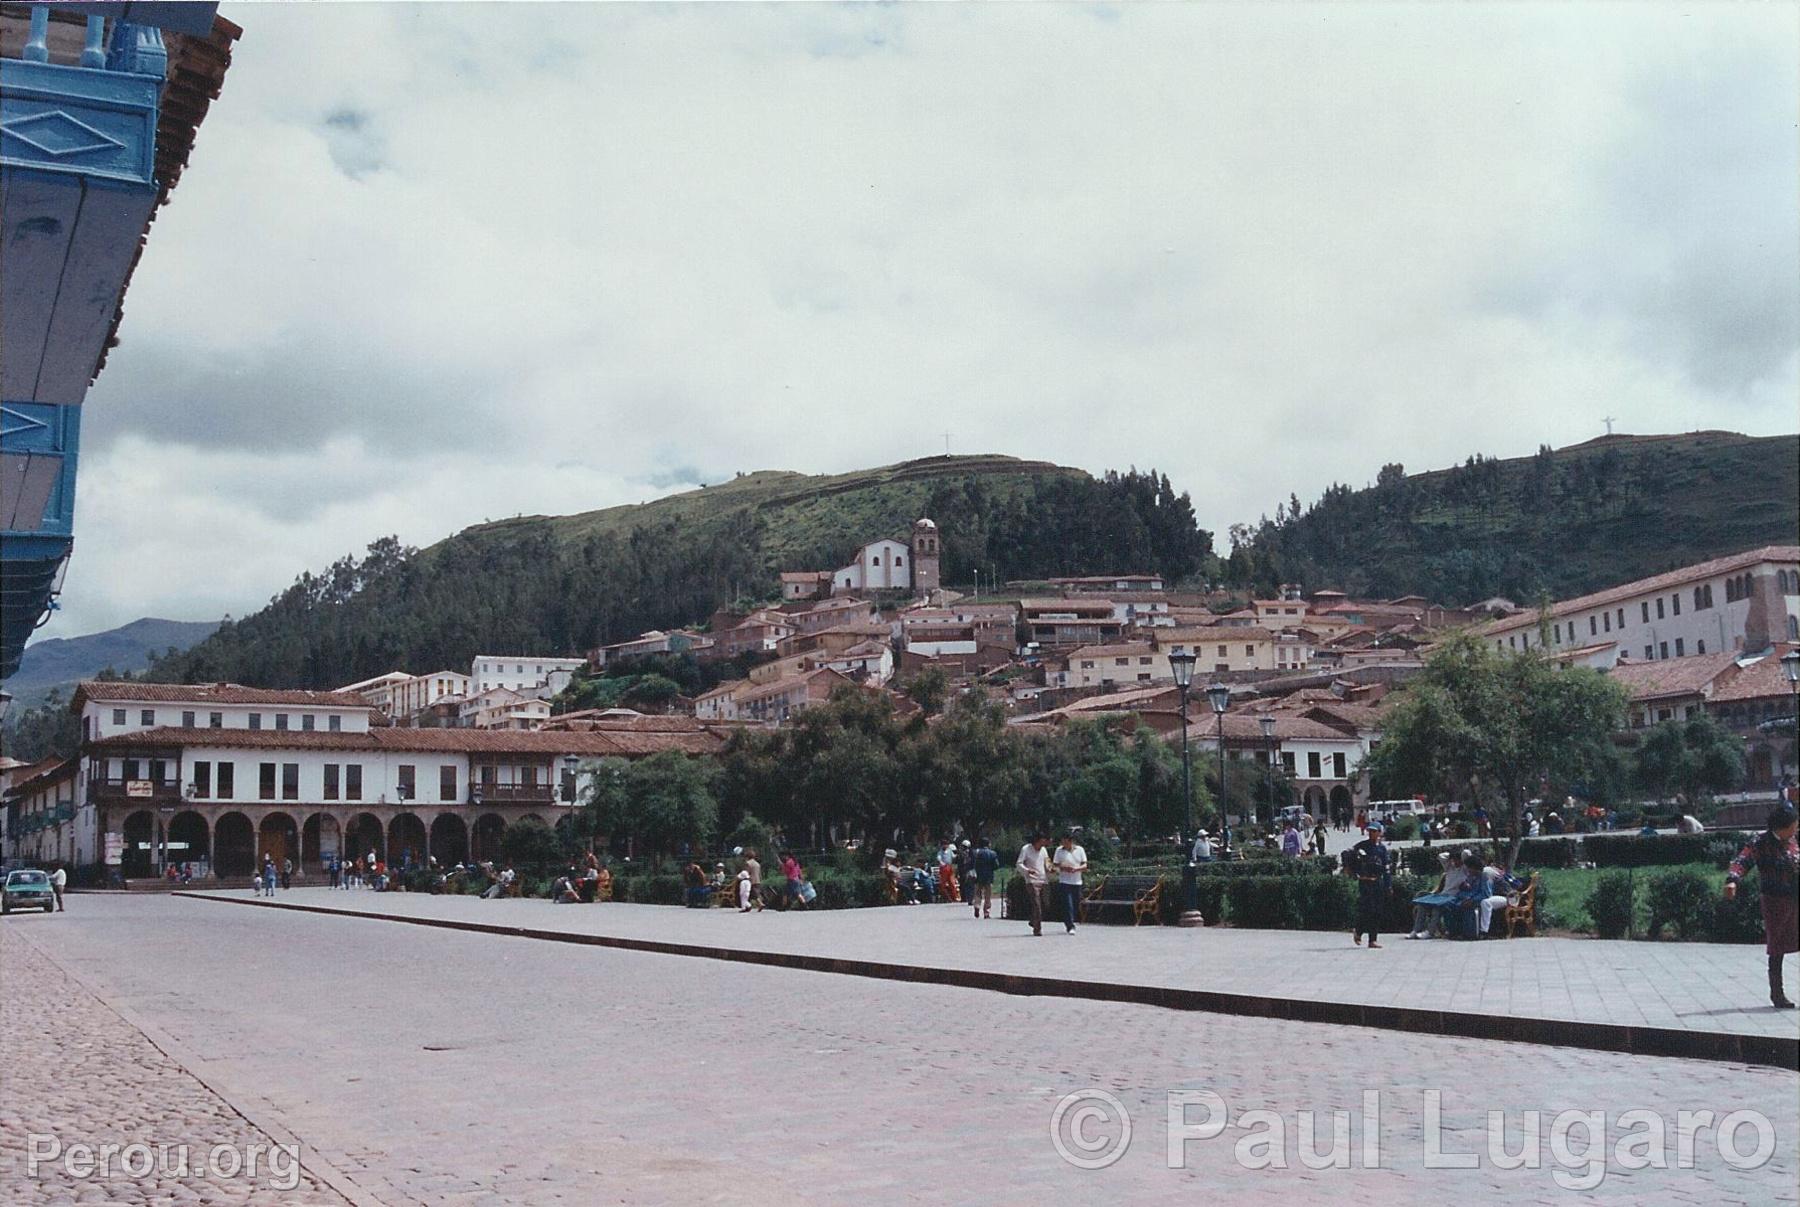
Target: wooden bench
{"type": "Point", "coordinates": [1524, 912]}
{"type": "Point", "coordinates": [1142, 894]}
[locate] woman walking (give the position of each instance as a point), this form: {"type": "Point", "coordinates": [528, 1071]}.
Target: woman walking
{"type": "Point", "coordinates": [1776, 857]}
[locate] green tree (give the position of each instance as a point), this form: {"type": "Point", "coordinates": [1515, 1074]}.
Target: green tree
{"type": "Point", "coordinates": [929, 689]}
{"type": "Point", "coordinates": [670, 801]}
{"type": "Point", "coordinates": [1696, 756]}
{"type": "Point", "coordinates": [532, 845]}
{"type": "Point", "coordinates": [1485, 727]}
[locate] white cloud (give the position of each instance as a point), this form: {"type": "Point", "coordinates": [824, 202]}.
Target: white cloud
{"type": "Point", "coordinates": [436, 263]}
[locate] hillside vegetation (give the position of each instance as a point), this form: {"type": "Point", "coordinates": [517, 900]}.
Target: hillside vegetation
{"type": "Point", "coordinates": [554, 585]}
{"type": "Point", "coordinates": [1562, 522]}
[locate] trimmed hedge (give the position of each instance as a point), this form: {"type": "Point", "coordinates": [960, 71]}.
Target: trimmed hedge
{"type": "Point", "coordinates": [1660, 850]}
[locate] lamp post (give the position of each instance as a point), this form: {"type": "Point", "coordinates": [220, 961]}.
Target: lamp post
{"type": "Point", "coordinates": [1182, 666]}
{"type": "Point", "coordinates": [1219, 696]}
{"type": "Point", "coordinates": [1790, 664]}
{"type": "Point", "coordinates": [1268, 728]}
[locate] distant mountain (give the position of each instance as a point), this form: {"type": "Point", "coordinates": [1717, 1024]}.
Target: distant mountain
{"type": "Point", "coordinates": [564, 584]}
{"type": "Point", "coordinates": [1562, 522]}
{"type": "Point", "coordinates": [63, 661]}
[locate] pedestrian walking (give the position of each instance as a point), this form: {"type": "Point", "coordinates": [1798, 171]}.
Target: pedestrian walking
{"type": "Point", "coordinates": [59, 880]}
{"type": "Point", "coordinates": [754, 867]}
{"type": "Point", "coordinates": [1318, 839]}
{"type": "Point", "coordinates": [1775, 855]}
{"type": "Point", "coordinates": [1290, 841]}
{"type": "Point", "coordinates": [983, 864]}
{"type": "Point", "coordinates": [1071, 862]}
{"type": "Point", "coordinates": [1370, 863]}
{"type": "Point", "coordinates": [268, 874]}
{"type": "Point", "coordinates": [287, 873]}
{"type": "Point", "coordinates": [1033, 866]}
{"type": "Point", "coordinates": [795, 876]}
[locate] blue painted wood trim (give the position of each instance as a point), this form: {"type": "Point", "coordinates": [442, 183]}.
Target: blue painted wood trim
{"type": "Point", "coordinates": [40, 429]}
{"type": "Point", "coordinates": [78, 120]}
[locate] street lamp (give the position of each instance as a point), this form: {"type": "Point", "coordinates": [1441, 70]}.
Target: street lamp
{"type": "Point", "coordinates": [1268, 728]}
{"type": "Point", "coordinates": [1181, 664]}
{"type": "Point", "coordinates": [1219, 696]}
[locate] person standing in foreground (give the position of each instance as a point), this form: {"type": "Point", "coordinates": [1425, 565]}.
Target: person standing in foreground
{"type": "Point", "coordinates": [1776, 857]}
{"type": "Point", "coordinates": [754, 867]}
{"type": "Point", "coordinates": [1370, 864]}
{"type": "Point", "coordinates": [59, 880]}
{"type": "Point", "coordinates": [982, 866]}
{"type": "Point", "coordinates": [1033, 865]}
{"type": "Point", "coordinates": [1071, 861]}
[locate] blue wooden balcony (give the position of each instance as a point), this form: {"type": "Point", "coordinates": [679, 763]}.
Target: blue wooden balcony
{"type": "Point", "coordinates": [79, 99]}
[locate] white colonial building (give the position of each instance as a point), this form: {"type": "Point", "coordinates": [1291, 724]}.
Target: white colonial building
{"type": "Point", "coordinates": [218, 775]}
{"type": "Point", "coordinates": [529, 676]}
{"type": "Point", "coordinates": [1742, 603]}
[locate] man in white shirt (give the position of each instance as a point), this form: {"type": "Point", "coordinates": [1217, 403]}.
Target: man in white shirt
{"type": "Point", "coordinates": [1203, 848]}
{"type": "Point", "coordinates": [59, 880]}
{"type": "Point", "coordinates": [1071, 861]}
{"type": "Point", "coordinates": [1033, 866]}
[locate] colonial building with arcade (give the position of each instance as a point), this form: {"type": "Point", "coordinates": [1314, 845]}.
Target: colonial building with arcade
{"type": "Point", "coordinates": [216, 776]}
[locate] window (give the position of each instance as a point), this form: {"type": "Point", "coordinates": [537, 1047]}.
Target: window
{"type": "Point", "coordinates": [1794, 628]}
{"type": "Point", "coordinates": [1086, 665]}
{"type": "Point", "coordinates": [447, 782]}
{"type": "Point", "coordinates": [1338, 765]}
{"type": "Point", "coordinates": [1249, 651]}
{"type": "Point", "coordinates": [1313, 767]}
{"type": "Point", "coordinates": [334, 723]}
{"type": "Point", "coordinates": [353, 781]}
{"type": "Point", "coordinates": [159, 771]}
{"type": "Point", "coordinates": [1607, 618]}
{"type": "Point", "coordinates": [1646, 606]}
{"type": "Point", "coordinates": [202, 780]}
{"type": "Point", "coordinates": [1221, 651]}
{"type": "Point", "coordinates": [1143, 676]}
{"type": "Point", "coordinates": [1287, 761]}
{"type": "Point", "coordinates": [1621, 618]}
{"type": "Point", "coordinates": [227, 774]}
{"type": "Point", "coordinates": [215, 720]}
{"type": "Point", "coordinates": [1649, 653]}
{"type": "Point", "coordinates": [408, 781]}
{"type": "Point", "coordinates": [187, 720]}
{"type": "Point", "coordinates": [256, 720]}
{"type": "Point", "coordinates": [306, 722]}
{"type": "Point", "coordinates": [118, 716]}
{"type": "Point", "coordinates": [1700, 646]}
{"type": "Point", "coordinates": [1678, 650]}
{"type": "Point", "coordinates": [265, 782]}
{"type": "Point", "coordinates": [130, 769]}
{"type": "Point", "coordinates": [1659, 607]}
{"type": "Point", "coordinates": [1593, 629]}
{"type": "Point", "coordinates": [331, 781]}
{"type": "Point", "coordinates": [1121, 662]}
{"type": "Point", "coordinates": [1675, 604]}
{"type": "Point", "coordinates": [1698, 596]}
{"type": "Point", "coordinates": [1663, 649]}
{"type": "Point", "coordinates": [290, 781]}
{"type": "Point", "coordinates": [281, 720]}
{"type": "Point", "coordinates": [147, 716]}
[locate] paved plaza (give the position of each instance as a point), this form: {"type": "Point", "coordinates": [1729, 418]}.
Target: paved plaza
{"type": "Point", "coordinates": [1685, 986]}
{"type": "Point", "coordinates": [438, 1066]}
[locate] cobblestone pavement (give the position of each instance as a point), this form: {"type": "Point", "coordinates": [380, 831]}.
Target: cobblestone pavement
{"type": "Point", "coordinates": [441, 1066]}
{"type": "Point", "coordinates": [76, 1073]}
{"type": "Point", "coordinates": [1698, 986]}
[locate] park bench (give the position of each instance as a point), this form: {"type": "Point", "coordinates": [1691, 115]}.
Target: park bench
{"type": "Point", "coordinates": [1141, 894]}
{"type": "Point", "coordinates": [1523, 911]}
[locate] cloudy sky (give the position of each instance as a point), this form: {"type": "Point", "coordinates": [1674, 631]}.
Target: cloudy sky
{"type": "Point", "coordinates": [435, 264]}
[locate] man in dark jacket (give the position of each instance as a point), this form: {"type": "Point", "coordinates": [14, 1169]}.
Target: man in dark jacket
{"type": "Point", "coordinates": [984, 863]}
{"type": "Point", "coordinates": [1372, 866]}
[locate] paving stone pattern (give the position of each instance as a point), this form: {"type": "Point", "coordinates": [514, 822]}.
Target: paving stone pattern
{"type": "Point", "coordinates": [74, 1070]}
{"type": "Point", "coordinates": [440, 1066]}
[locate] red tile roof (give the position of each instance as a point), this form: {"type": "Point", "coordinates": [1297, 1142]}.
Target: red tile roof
{"type": "Point", "coordinates": [594, 743]}
{"type": "Point", "coordinates": [1689, 676]}
{"type": "Point", "coordinates": [1760, 680]}
{"type": "Point", "coordinates": [210, 693]}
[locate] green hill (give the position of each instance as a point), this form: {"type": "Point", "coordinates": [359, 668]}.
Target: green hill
{"type": "Point", "coordinates": [1564, 521]}
{"type": "Point", "coordinates": [564, 584]}
{"type": "Point", "coordinates": [53, 663]}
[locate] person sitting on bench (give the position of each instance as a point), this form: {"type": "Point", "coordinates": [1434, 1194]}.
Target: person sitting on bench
{"type": "Point", "coordinates": [699, 888]}
{"type": "Point", "coordinates": [564, 893]}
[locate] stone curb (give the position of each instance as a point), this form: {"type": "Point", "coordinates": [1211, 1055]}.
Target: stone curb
{"type": "Point", "coordinates": [1775, 1051]}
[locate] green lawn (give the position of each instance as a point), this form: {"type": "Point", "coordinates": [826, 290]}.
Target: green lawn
{"type": "Point", "coordinates": [1565, 891]}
